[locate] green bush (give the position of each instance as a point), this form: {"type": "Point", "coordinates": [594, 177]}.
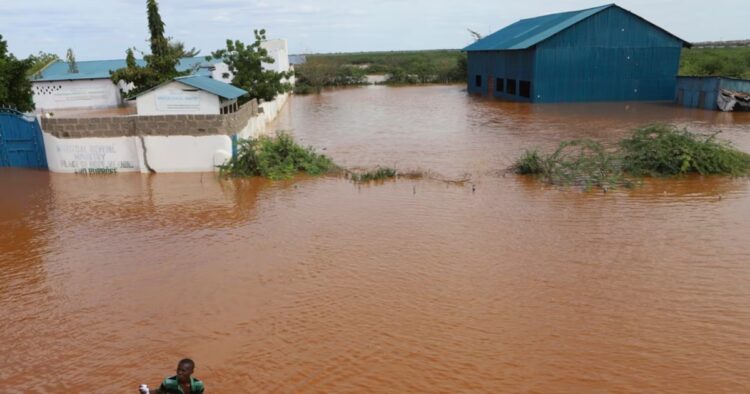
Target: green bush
{"type": "Point", "coordinates": [662, 150]}
{"type": "Point", "coordinates": [580, 162]}
{"type": "Point", "coordinates": [275, 158]}
{"type": "Point", "coordinates": [656, 150]}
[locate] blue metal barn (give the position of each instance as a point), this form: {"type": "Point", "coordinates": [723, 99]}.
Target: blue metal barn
{"type": "Point", "coordinates": [599, 54]}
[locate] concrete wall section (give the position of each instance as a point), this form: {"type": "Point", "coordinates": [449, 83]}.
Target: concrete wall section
{"type": "Point", "coordinates": [119, 126]}
{"type": "Point", "coordinates": [258, 125]}
{"type": "Point", "coordinates": [137, 154]}
{"type": "Point", "coordinates": [221, 73]}
{"type": "Point", "coordinates": [93, 155]}
{"type": "Point", "coordinates": [177, 98]}
{"type": "Point", "coordinates": [85, 93]}
{"type": "Point", "coordinates": [181, 153]}
{"type": "Point", "coordinates": [179, 143]}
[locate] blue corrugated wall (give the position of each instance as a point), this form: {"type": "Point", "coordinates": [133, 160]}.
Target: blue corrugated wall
{"type": "Point", "coordinates": [701, 92]}
{"type": "Point", "coordinates": [697, 92]}
{"type": "Point", "coordinates": [611, 56]}
{"type": "Point", "coordinates": [507, 65]}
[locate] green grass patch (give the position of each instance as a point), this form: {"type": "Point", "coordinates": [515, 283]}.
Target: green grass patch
{"type": "Point", "coordinates": [656, 150]}
{"type": "Point", "coordinates": [275, 158]}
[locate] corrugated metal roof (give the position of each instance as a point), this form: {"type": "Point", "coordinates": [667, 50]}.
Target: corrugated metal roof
{"type": "Point", "coordinates": [529, 32]}
{"type": "Point", "coordinates": [99, 69]}
{"type": "Point", "coordinates": [213, 86]}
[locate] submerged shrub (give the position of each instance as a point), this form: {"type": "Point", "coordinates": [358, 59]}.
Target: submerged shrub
{"type": "Point", "coordinates": [657, 150]}
{"type": "Point", "coordinates": [377, 174]}
{"type": "Point", "coordinates": [580, 162]}
{"type": "Point", "coordinates": [663, 150]}
{"type": "Point", "coordinates": [530, 163]}
{"type": "Point", "coordinates": [275, 158]}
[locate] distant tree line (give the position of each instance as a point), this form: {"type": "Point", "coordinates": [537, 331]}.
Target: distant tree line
{"type": "Point", "coordinates": [728, 62]}
{"type": "Point", "coordinates": [397, 68]}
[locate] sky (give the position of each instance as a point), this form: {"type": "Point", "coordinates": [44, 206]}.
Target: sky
{"type": "Point", "coordinates": [104, 29]}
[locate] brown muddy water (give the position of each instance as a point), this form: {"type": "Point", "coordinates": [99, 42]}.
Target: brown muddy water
{"type": "Point", "coordinates": [318, 285]}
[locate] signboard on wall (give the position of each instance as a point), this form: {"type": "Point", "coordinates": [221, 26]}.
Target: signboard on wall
{"type": "Point", "coordinates": [92, 155]}
{"type": "Point", "coordinates": [74, 94]}
{"type": "Point", "coordinates": [178, 100]}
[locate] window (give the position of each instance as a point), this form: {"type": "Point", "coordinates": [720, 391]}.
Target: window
{"type": "Point", "coordinates": [524, 88]}
{"type": "Point", "coordinates": [500, 85]}
{"type": "Point", "coordinates": [511, 86]}
{"type": "Point", "coordinates": [478, 81]}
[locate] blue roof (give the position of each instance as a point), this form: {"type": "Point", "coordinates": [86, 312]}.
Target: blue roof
{"type": "Point", "coordinates": [526, 33]}
{"type": "Point", "coordinates": [213, 86]}
{"type": "Point", "coordinates": [99, 69]}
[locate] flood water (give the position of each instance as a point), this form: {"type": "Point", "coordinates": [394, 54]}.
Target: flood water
{"type": "Point", "coordinates": [318, 285]}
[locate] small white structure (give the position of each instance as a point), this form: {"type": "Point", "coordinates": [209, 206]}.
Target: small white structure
{"type": "Point", "coordinates": [194, 95]}
{"type": "Point", "coordinates": [279, 51]}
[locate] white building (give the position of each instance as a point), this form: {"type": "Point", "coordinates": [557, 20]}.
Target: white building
{"type": "Point", "coordinates": [190, 95]}
{"type": "Point", "coordinates": [55, 87]}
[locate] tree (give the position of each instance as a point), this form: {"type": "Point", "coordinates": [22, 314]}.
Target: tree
{"type": "Point", "coordinates": [39, 62]}
{"type": "Point", "coordinates": [179, 51]}
{"type": "Point", "coordinates": [70, 58]}
{"type": "Point", "coordinates": [130, 59]}
{"type": "Point", "coordinates": [474, 35]}
{"type": "Point", "coordinates": [246, 63]}
{"type": "Point", "coordinates": [161, 64]}
{"type": "Point", "coordinates": [15, 86]}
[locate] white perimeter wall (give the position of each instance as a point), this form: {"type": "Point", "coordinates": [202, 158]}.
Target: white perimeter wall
{"type": "Point", "coordinates": [176, 98]}
{"type": "Point", "coordinates": [152, 153]}
{"type": "Point", "coordinates": [127, 154]}
{"type": "Point", "coordinates": [86, 93]}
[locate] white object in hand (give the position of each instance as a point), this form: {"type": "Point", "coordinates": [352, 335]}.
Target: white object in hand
{"type": "Point", "coordinates": [144, 389]}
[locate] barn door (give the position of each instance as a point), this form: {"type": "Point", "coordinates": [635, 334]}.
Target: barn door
{"type": "Point", "coordinates": [21, 143]}
{"type": "Point", "coordinates": [490, 86]}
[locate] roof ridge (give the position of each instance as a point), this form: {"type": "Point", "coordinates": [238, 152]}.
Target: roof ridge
{"type": "Point", "coordinates": [603, 7]}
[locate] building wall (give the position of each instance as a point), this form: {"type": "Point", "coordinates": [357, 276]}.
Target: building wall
{"type": "Point", "coordinates": [84, 93]}
{"type": "Point", "coordinates": [278, 50]}
{"type": "Point", "coordinates": [221, 73]}
{"type": "Point", "coordinates": [163, 125]}
{"type": "Point", "coordinates": [485, 68]}
{"type": "Point", "coordinates": [611, 56]}
{"type": "Point", "coordinates": [176, 98]}
{"type": "Point", "coordinates": [697, 92]}
{"type": "Point", "coordinates": [702, 92]}
{"type": "Point", "coordinates": [177, 143]}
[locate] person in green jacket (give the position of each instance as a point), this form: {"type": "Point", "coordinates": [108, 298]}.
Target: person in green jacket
{"type": "Point", "coordinates": [183, 382]}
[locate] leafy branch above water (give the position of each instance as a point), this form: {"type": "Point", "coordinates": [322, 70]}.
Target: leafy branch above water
{"type": "Point", "coordinates": [656, 150]}
{"type": "Point", "coordinates": [275, 158]}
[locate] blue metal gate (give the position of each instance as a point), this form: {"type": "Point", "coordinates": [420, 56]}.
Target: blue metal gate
{"type": "Point", "coordinates": [21, 143]}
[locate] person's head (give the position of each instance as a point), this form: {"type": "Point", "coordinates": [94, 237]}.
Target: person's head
{"type": "Point", "coordinates": [185, 369]}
